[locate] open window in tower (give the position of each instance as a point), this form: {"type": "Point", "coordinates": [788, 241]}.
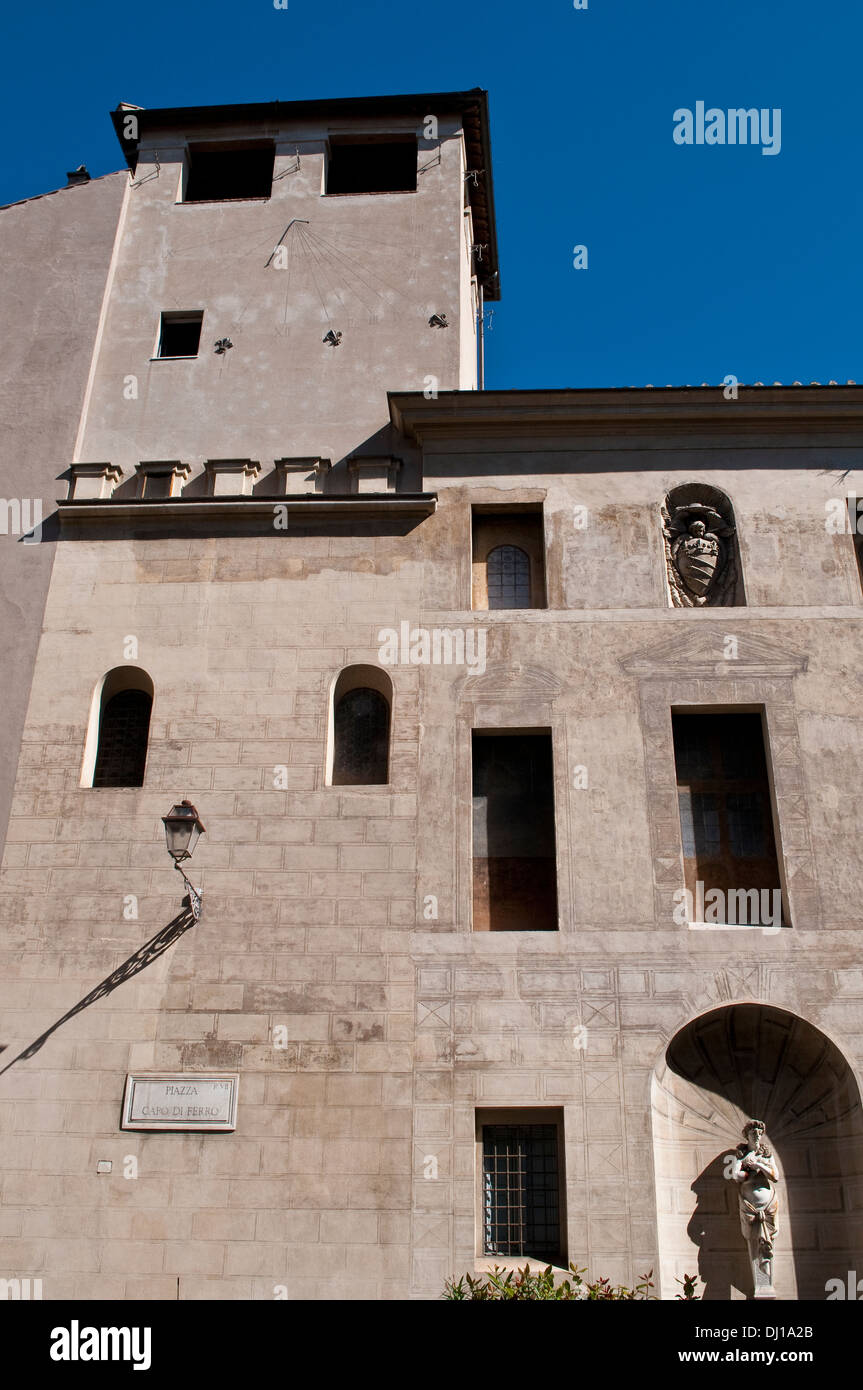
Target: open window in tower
{"type": "Point", "coordinates": [372, 164]}
{"type": "Point", "coordinates": [229, 171]}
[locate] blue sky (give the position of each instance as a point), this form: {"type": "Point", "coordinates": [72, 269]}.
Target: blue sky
{"type": "Point", "coordinates": [702, 260]}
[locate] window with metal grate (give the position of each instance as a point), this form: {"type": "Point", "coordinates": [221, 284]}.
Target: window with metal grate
{"type": "Point", "coordinates": [362, 735]}
{"type": "Point", "coordinates": [123, 733]}
{"type": "Point", "coordinates": [521, 1191]}
{"type": "Point", "coordinates": [508, 578]}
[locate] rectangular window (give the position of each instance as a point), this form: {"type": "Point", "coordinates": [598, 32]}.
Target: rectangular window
{"type": "Point", "coordinates": [521, 1184]}
{"type": "Point", "coordinates": [508, 559]}
{"type": "Point", "coordinates": [229, 172]}
{"type": "Point", "coordinates": [180, 334]}
{"type": "Point", "coordinates": [372, 165]}
{"type": "Point", "coordinates": [514, 857]}
{"type": "Point", "coordinates": [726, 818]}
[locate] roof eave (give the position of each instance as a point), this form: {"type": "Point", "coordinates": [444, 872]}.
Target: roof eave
{"type": "Point", "coordinates": [830, 409]}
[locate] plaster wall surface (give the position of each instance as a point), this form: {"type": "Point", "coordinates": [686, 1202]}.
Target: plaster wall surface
{"type": "Point", "coordinates": [55, 252]}
{"type": "Point", "coordinates": [275, 275]}
{"type": "Point", "coordinates": [343, 914]}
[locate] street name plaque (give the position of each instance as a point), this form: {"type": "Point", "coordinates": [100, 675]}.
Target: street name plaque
{"type": "Point", "coordinates": [181, 1101]}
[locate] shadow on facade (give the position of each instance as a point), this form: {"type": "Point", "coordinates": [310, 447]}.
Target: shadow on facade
{"type": "Point", "coordinates": [714, 1228]}
{"type": "Point", "coordinates": [756, 1061]}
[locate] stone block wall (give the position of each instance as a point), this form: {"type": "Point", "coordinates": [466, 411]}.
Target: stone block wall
{"type": "Point", "coordinates": [343, 914]}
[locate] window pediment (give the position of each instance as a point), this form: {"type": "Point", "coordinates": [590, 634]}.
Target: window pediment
{"type": "Point", "coordinates": [708, 652]}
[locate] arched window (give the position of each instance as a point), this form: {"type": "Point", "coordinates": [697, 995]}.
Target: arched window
{"type": "Point", "coordinates": [507, 558]}
{"type": "Point", "coordinates": [360, 728]}
{"type": "Point", "coordinates": [508, 577]}
{"type": "Point", "coordinates": [116, 751]}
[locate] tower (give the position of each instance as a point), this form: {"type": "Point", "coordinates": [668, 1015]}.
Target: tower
{"type": "Point", "coordinates": [342, 249]}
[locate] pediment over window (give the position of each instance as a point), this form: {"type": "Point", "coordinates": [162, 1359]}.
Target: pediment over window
{"type": "Point", "coordinates": [513, 681]}
{"type": "Point", "coordinates": [720, 649]}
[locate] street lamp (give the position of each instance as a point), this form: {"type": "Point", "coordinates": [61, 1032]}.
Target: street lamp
{"type": "Point", "coordinates": [182, 830]}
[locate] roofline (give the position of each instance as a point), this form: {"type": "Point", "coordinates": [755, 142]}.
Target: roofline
{"type": "Point", "coordinates": [473, 103]}
{"type": "Point", "coordinates": [64, 188]}
{"type": "Point", "coordinates": [627, 410]}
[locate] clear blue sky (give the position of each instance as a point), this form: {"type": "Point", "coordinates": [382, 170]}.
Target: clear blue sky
{"type": "Point", "coordinates": [703, 260]}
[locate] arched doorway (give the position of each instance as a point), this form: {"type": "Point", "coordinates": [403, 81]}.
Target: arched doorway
{"type": "Point", "coordinates": [748, 1061]}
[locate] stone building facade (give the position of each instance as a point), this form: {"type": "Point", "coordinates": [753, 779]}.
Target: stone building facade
{"type": "Point", "coordinates": [482, 949]}
{"type": "Point", "coordinates": [55, 251]}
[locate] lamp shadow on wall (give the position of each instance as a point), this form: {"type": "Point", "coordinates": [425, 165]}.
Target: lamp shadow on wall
{"type": "Point", "coordinates": [143, 957]}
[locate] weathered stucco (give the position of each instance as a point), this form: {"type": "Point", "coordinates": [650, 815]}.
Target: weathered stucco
{"type": "Point", "coordinates": [55, 252]}
{"type": "Point", "coordinates": [343, 914]}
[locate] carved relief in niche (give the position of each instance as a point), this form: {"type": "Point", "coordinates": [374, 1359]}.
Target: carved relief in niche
{"type": "Point", "coordinates": [701, 552]}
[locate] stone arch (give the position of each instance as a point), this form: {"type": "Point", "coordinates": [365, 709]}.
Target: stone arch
{"type": "Point", "coordinates": [131, 727]}
{"type": "Point", "coordinates": [743, 1061]}
{"type": "Point", "coordinates": [360, 708]}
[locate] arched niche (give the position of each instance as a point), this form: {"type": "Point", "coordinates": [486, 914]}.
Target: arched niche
{"type": "Point", "coordinates": [360, 707]}
{"type": "Point", "coordinates": [702, 551]}
{"type": "Point", "coordinates": [117, 682]}
{"type": "Point", "coordinates": [736, 1063]}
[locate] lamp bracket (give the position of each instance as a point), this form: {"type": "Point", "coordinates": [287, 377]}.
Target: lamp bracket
{"type": "Point", "coordinates": [195, 898]}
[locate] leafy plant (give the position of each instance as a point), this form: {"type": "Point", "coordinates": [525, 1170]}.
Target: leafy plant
{"type": "Point", "coordinates": [540, 1284]}
{"type": "Point", "coordinates": [688, 1281]}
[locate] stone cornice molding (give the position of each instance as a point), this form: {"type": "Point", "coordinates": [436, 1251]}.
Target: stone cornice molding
{"type": "Point", "coordinates": [784, 412]}
{"type": "Point", "coordinates": [110, 513]}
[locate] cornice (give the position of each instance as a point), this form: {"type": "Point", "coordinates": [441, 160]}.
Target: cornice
{"type": "Point", "coordinates": [240, 508]}
{"type": "Point", "coordinates": [622, 413]}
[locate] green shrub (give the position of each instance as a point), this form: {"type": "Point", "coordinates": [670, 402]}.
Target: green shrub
{"type": "Point", "coordinates": [540, 1284]}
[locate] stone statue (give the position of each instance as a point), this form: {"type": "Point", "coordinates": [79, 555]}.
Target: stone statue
{"type": "Point", "coordinates": [754, 1170]}
{"type": "Point", "coordinates": [699, 555]}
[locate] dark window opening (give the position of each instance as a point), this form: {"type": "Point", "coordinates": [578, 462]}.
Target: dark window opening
{"type": "Point", "coordinates": [373, 166]}
{"type": "Point", "coordinates": [123, 731]}
{"type": "Point", "coordinates": [508, 559]}
{"type": "Point", "coordinates": [361, 738]}
{"type": "Point", "coordinates": [726, 817]}
{"type": "Point", "coordinates": [180, 335]}
{"type": "Point", "coordinates": [508, 577]}
{"type": "Point", "coordinates": [223, 174]}
{"type": "Point", "coordinates": [514, 858]}
{"type": "Point", "coordinates": [521, 1191]}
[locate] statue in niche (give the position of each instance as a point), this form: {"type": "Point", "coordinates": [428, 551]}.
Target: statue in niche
{"type": "Point", "coordinates": [754, 1170]}
{"type": "Point", "coordinates": [699, 553]}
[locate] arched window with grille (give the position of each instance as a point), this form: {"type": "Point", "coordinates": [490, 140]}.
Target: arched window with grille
{"type": "Point", "coordinates": [508, 577]}
{"type": "Point", "coordinates": [507, 558]}
{"type": "Point", "coordinates": [360, 728]}
{"type": "Point", "coordinates": [117, 739]}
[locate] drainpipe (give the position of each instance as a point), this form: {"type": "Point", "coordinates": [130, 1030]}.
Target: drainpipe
{"type": "Point", "coordinates": [481, 337]}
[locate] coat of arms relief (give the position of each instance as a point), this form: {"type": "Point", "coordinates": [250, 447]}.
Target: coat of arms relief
{"type": "Point", "coordinates": [700, 548]}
